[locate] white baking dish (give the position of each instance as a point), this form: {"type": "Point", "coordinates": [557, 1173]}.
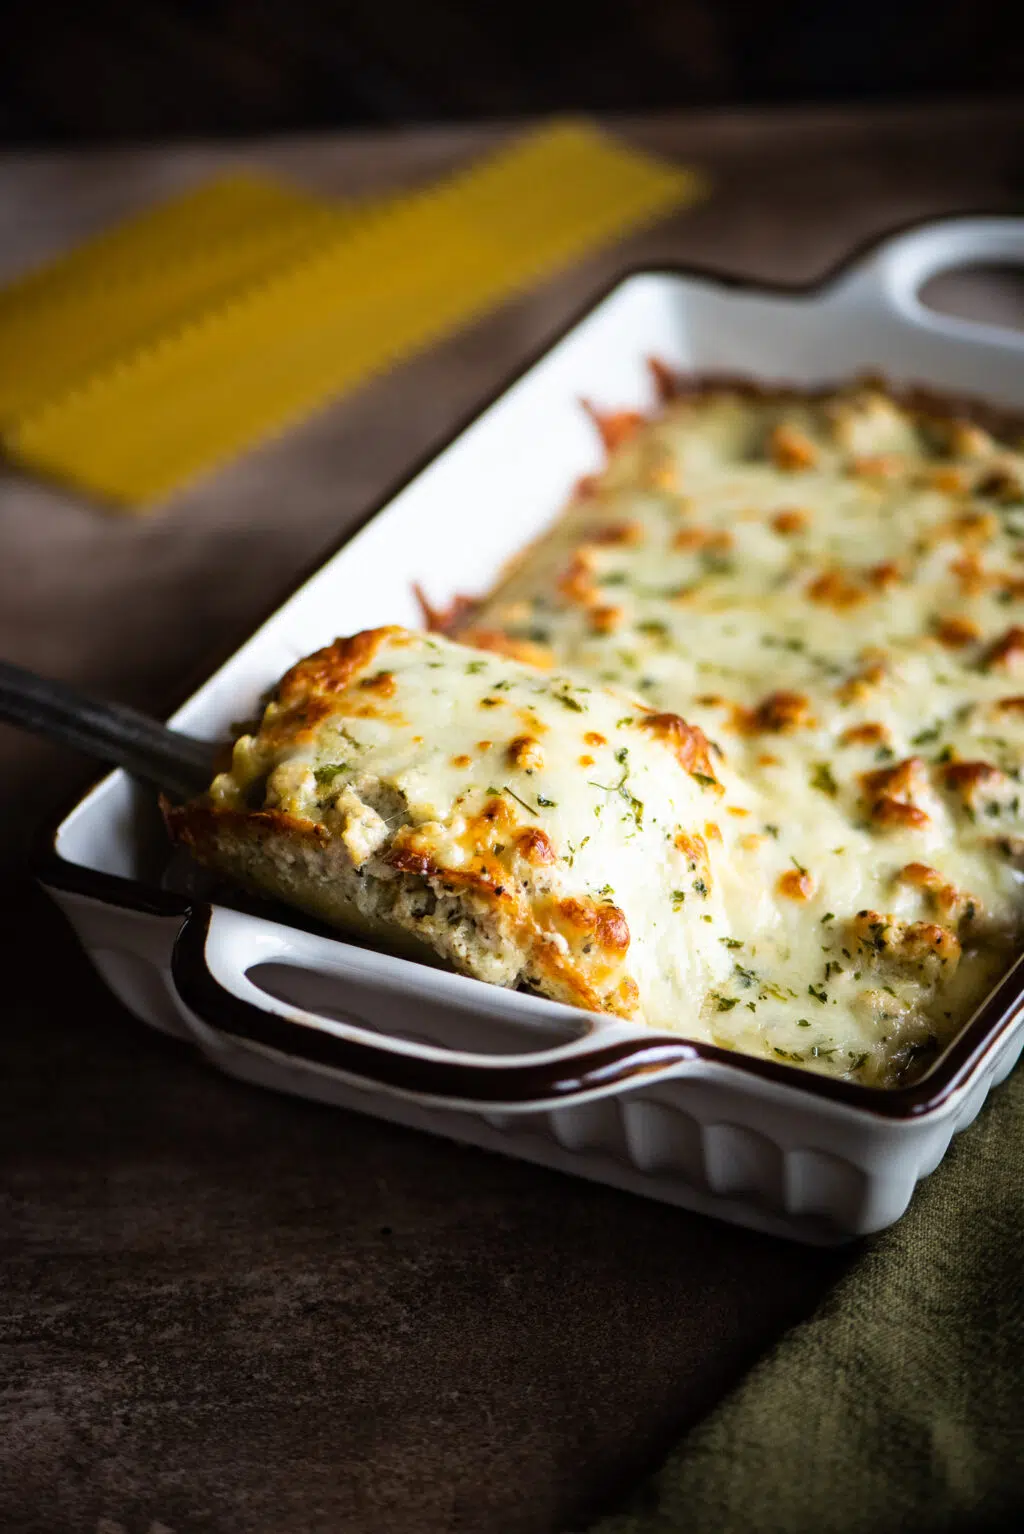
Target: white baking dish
{"type": "Point", "coordinates": [270, 1001]}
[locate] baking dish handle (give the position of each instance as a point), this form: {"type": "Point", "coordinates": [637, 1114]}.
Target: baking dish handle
{"type": "Point", "coordinates": [888, 282]}
{"type": "Point", "coordinates": [218, 947]}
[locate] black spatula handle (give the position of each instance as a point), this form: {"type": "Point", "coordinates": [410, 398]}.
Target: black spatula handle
{"type": "Point", "coordinates": [110, 732]}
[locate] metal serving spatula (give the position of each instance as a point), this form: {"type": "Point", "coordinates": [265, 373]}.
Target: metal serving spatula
{"type": "Point", "coordinates": [110, 732]}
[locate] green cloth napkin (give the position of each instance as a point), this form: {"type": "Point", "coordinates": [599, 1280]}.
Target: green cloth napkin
{"type": "Point", "coordinates": [900, 1404]}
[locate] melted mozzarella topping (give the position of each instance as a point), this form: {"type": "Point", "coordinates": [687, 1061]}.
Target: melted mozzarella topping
{"type": "Point", "coordinates": [831, 591]}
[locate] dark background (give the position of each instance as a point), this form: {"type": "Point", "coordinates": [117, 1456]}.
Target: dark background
{"type": "Point", "coordinates": [131, 69]}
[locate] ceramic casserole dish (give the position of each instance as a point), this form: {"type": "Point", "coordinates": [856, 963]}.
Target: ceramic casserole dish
{"type": "Point", "coordinates": [271, 1001]}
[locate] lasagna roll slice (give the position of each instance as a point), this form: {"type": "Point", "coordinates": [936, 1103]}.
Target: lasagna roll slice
{"type": "Point", "coordinates": [521, 826]}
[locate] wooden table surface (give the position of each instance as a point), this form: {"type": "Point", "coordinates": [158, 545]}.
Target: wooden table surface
{"type": "Point", "coordinates": [230, 1311]}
